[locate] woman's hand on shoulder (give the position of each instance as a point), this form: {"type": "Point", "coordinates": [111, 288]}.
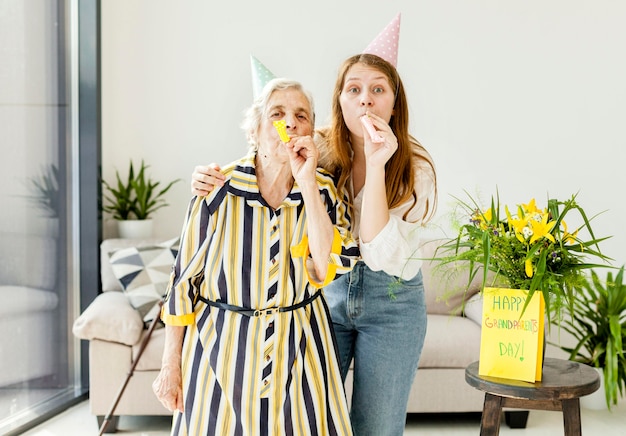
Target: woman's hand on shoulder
{"type": "Point", "coordinates": [206, 177]}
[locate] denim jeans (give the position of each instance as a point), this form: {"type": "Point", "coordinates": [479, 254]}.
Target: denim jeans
{"type": "Point", "coordinates": [384, 335]}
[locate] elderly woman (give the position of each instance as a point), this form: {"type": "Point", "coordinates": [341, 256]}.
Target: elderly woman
{"type": "Point", "coordinates": [249, 347]}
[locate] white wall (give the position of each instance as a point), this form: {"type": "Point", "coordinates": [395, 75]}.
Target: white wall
{"type": "Point", "coordinates": [528, 96]}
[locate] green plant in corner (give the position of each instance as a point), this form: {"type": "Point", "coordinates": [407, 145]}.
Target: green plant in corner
{"type": "Point", "coordinates": [598, 323]}
{"type": "Point", "coordinates": [137, 197]}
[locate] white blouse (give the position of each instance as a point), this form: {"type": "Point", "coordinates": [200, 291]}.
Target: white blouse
{"type": "Point", "coordinates": [395, 250]}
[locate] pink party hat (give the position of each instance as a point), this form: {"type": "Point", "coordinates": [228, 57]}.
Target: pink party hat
{"type": "Point", "coordinates": [385, 45]}
{"type": "Point", "coordinates": [260, 76]}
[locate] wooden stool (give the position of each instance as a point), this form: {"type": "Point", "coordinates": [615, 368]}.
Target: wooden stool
{"type": "Point", "coordinates": [563, 383]}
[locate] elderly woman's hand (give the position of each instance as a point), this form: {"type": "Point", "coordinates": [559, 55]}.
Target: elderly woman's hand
{"type": "Point", "coordinates": [168, 387]}
{"type": "Point", "coordinates": [303, 155]}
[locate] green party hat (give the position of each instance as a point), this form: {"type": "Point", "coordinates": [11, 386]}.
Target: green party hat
{"type": "Point", "coordinates": [260, 76]}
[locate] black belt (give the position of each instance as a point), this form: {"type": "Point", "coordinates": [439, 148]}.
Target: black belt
{"type": "Point", "coordinates": [258, 312]}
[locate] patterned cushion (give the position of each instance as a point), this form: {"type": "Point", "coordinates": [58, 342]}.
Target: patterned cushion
{"type": "Point", "coordinates": [143, 273]}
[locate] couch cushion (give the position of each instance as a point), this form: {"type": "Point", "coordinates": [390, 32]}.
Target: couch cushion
{"type": "Point", "coordinates": [153, 353]}
{"type": "Point", "coordinates": [143, 273]}
{"type": "Point", "coordinates": [451, 342]}
{"type": "Point", "coordinates": [109, 317]}
{"type": "Point", "coordinates": [108, 246]}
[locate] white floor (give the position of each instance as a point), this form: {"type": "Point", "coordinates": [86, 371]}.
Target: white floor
{"type": "Point", "coordinates": [78, 421]}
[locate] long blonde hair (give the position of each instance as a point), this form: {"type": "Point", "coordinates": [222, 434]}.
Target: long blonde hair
{"type": "Point", "coordinates": [336, 150]}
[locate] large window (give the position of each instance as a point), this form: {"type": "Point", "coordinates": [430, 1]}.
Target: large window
{"type": "Point", "coordinates": [47, 249]}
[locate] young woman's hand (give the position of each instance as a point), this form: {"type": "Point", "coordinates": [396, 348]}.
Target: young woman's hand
{"type": "Point", "coordinates": [378, 153]}
{"type": "Point", "coordinates": [205, 178]}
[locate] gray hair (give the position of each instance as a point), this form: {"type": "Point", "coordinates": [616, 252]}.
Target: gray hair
{"type": "Point", "coordinates": [254, 114]}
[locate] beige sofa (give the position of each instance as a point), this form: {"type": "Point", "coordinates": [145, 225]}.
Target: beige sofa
{"type": "Point", "coordinates": [115, 331]}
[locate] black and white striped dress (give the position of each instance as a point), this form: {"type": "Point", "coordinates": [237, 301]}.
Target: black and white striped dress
{"type": "Point", "coordinates": [266, 375]}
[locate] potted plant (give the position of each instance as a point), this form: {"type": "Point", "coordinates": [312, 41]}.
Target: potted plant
{"type": "Point", "coordinates": [598, 325]}
{"type": "Point", "coordinates": [531, 249]}
{"type": "Point", "coordinates": [517, 254]}
{"type": "Point", "coordinates": [134, 200]}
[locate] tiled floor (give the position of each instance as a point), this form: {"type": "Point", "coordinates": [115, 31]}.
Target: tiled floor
{"type": "Point", "coordinates": [77, 421]}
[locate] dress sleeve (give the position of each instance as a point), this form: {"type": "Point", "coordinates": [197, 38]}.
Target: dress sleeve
{"type": "Point", "coordinates": [340, 261]}
{"type": "Point", "coordinates": [187, 273]}
{"type": "Point", "coordinates": [344, 251]}
{"type": "Point", "coordinates": [395, 249]}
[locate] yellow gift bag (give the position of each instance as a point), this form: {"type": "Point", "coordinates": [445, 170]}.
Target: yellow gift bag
{"type": "Point", "coordinates": [511, 344]}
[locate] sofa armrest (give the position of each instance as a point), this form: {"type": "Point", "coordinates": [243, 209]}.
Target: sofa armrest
{"type": "Point", "coordinates": [110, 317]}
{"type": "Point", "coordinates": [474, 309]}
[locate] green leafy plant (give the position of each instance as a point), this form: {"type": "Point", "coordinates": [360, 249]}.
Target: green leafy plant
{"type": "Point", "coordinates": [529, 249]}
{"type": "Point", "coordinates": [598, 324]}
{"type": "Point", "coordinates": [137, 197]}
{"type": "Point", "coordinates": [45, 191]}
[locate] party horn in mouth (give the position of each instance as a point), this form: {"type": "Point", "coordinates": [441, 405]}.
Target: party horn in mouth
{"type": "Point", "coordinates": [367, 123]}
{"type": "Point", "coordinates": [281, 128]}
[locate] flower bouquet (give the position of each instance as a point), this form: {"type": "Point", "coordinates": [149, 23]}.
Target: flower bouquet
{"type": "Point", "coordinates": [528, 248]}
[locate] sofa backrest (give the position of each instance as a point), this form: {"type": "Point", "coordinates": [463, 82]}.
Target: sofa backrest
{"type": "Point", "coordinates": [446, 287]}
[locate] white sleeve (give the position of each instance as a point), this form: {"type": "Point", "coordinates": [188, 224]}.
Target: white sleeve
{"type": "Point", "coordinates": [395, 249]}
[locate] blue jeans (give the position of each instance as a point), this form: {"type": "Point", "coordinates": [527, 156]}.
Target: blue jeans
{"type": "Point", "coordinates": [385, 337]}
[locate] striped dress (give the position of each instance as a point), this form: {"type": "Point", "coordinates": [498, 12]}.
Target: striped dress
{"type": "Point", "coordinates": [274, 374]}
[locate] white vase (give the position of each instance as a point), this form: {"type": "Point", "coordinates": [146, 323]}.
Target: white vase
{"type": "Point", "coordinates": [596, 400]}
{"type": "Point", "coordinates": [135, 229]}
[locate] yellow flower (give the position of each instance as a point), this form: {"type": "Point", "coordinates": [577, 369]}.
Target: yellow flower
{"type": "Point", "coordinates": [482, 218]}
{"type": "Point", "coordinates": [517, 224]}
{"type": "Point", "coordinates": [528, 267]}
{"type": "Point", "coordinates": [542, 229]}
{"type": "Point", "coordinates": [530, 208]}
{"type": "Point", "coordinates": [568, 238]}
{"type": "Point", "coordinates": [487, 215]}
